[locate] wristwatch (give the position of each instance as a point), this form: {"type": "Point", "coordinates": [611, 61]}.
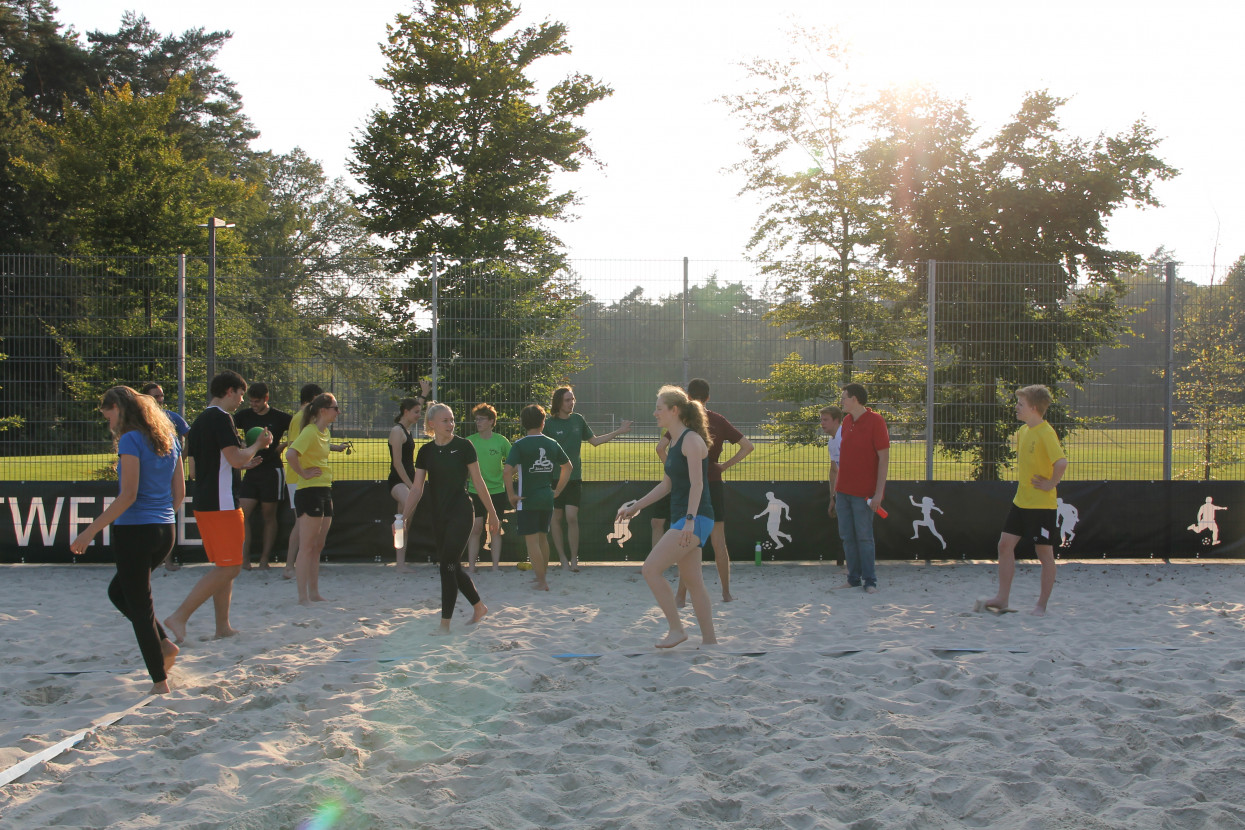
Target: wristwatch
{"type": "Point", "coordinates": [690, 517]}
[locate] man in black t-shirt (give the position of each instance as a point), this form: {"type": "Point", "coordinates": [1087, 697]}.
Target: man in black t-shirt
{"type": "Point", "coordinates": [264, 485]}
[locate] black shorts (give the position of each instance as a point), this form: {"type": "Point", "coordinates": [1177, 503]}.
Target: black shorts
{"type": "Point", "coordinates": [263, 484]}
{"type": "Point", "coordinates": [314, 502]}
{"type": "Point", "coordinates": [530, 522]}
{"type": "Point", "coordinates": [500, 503]}
{"type": "Point", "coordinates": [717, 498]}
{"type": "Point", "coordinates": [570, 496]}
{"type": "Point", "coordinates": [1035, 524]}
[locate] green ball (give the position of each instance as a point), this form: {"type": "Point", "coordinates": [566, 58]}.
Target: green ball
{"type": "Point", "coordinates": [252, 435]}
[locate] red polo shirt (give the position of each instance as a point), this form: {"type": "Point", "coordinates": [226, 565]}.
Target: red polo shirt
{"type": "Point", "coordinates": [862, 440]}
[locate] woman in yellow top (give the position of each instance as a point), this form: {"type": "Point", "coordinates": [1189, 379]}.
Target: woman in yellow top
{"type": "Point", "coordinates": [308, 456]}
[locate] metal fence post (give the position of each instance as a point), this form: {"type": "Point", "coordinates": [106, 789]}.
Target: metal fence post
{"type": "Point", "coordinates": [1169, 372]}
{"type": "Point", "coordinates": [686, 359]}
{"type": "Point", "coordinates": [181, 335]}
{"type": "Point", "coordinates": [436, 265]}
{"type": "Point", "coordinates": [930, 278]}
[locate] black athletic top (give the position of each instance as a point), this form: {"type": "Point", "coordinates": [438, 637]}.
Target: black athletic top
{"type": "Point", "coordinates": [408, 459]}
{"type": "Point", "coordinates": [276, 422]}
{"type": "Point", "coordinates": [681, 482]}
{"type": "Point", "coordinates": [216, 481]}
{"type": "Point", "coordinates": [447, 471]}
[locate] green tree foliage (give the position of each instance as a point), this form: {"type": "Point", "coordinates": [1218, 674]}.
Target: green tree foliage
{"type": "Point", "coordinates": [1210, 376]}
{"type": "Point", "coordinates": [208, 120]}
{"type": "Point", "coordinates": [115, 187]}
{"type": "Point", "coordinates": [1028, 194]}
{"type": "Point", "coordinates": [50, 63]}
{"type": "Point", "coordinates": [460, 167]}
{"type": "Point", "coordinates": [118, 180]}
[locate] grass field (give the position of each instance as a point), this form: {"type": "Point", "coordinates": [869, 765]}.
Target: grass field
{"type": "Point", "coordinates": [1103, 454]}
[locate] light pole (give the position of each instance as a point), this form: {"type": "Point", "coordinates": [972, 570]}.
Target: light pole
{"type": "Point", "coordinates": [212, 225]}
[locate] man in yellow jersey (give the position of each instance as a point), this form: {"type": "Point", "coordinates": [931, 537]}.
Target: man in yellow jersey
{"type": "Point", "coordinates": [1040, 465]}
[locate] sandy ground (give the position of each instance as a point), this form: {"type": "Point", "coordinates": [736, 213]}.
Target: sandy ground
{"type": "Point", "coordinates": [1123, 709]}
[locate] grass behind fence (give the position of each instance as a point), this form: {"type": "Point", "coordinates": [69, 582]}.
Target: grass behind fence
{"type": "Point", "coordinates": [1094, 455]}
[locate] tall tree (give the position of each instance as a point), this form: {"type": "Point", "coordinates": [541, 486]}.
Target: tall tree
{"type": "Point", "coordinates": [819, 233]}
{"type": "Point", "coordinates": [460, 167]}
{"type": "Point", "coordinates": [1028, 194]}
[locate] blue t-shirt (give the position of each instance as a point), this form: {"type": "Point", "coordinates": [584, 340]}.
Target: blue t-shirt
{"type": "Point", "coordinates": [179, 423]}
{"type": "Point", "coordinates": [153, 505]}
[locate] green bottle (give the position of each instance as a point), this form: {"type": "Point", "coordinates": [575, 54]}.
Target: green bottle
{"type": "Point", "coordinates": [757, 553]}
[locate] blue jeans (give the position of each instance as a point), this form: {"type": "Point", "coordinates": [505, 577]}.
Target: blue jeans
{"type": "Point", "coordinates": [856, 531]}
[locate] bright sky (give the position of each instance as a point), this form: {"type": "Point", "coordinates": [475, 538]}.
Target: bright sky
{"type": "Point", "coordinates": [305, 68]}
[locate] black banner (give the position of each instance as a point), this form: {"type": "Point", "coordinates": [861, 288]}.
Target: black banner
{"type": "Point", "coordinates": [939, 520]}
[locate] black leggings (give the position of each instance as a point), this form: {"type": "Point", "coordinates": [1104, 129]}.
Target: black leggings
{"type": "Point", "coordinates": [139, 550]}
{"type": "Point", "coordinates": [451, 530]}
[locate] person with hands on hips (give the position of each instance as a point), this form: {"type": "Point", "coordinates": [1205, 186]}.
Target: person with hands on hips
{"type": "Point", "coordinates": [686, 468]}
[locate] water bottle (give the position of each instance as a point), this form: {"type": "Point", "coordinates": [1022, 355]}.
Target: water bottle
{"type": "Point", "coordinates": [882, 514]}
{"type": "Point", "coordinates": [399, 532]}
{"type": "Point", "coordinates": [756, 553]}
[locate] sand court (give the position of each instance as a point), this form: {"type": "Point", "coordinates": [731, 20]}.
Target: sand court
{"type": "Point", "coordinates": [819, 708]}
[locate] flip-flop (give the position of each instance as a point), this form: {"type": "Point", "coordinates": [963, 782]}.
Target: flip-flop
{"type": "Point", "coordinates": [980, 605]}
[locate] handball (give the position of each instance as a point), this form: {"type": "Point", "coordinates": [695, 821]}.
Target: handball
{"type": "Point", "coordinates": [252, 435]}
{"type": "Point", "coordinates": [524, 566]}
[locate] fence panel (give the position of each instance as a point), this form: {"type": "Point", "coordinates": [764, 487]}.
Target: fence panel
{"type": "Point", "coordinates": [619, 329]}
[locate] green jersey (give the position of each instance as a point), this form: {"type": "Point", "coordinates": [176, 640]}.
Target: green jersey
{"type": "Point", "coordinates": [570, 433]}
{"type": "Point", "coordinates": [491, 455]}
{"type": "Point", "coordinates": [539, 460]}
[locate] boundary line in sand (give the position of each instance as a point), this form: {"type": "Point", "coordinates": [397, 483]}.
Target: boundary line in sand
{"type": "Point", "coordinates": [24, 766]}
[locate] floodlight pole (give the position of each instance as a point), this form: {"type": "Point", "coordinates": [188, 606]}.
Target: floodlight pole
{"type": "Point", "coordinates": [212, 225]}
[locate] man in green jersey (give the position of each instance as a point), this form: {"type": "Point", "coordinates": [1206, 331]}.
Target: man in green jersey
{"type": "Point", "coordinates": [536, 458]}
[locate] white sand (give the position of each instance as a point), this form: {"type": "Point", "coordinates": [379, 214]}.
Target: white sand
{"type": "Point", "coordinates": [1124, 709]}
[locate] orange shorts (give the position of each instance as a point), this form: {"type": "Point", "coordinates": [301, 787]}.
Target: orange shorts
{"type": "Point", "coordinates": [222, 532]}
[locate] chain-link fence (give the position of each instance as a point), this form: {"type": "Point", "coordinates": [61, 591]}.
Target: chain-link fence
{"type": "Point", "coordinates": [1145, 363]}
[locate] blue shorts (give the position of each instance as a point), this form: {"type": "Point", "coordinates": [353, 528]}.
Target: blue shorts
{"type": "Point", "coordinates": [702, 528]}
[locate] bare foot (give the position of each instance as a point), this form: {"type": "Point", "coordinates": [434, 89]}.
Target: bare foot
{"type": "Point", "coordinates": [843, 587]}
{"type": "Point", "coordinates": [246, 566]}
{"type": "Point", "coordinates": [263, 566]}
{"type": "Point", "coordinates": [161, 688]}
{"type": "Point", "coordinates": [318, 598]}
{"type": "Point", "coordinates": [1038, 611]}
{"type": "Point", "coordinates": [170, 566]}
{"type": "Point", "coordinates": [178, 629]}
{"type": "Point", "coordinates": [480, 611]}
{"type": "Point", "coordinates": [443, 629]}
{"type": "Point", "coordinates": [170, 651]}
{"type": "Point", "coordinates": [871, 589]}
{"type": "Point", "coordinates": [305, 602]}
{"type": "Point", "coordinates": [574, 566]}
{"type": "Point", "coordinates": [713, 641]}
{"type": "Point", "coordinates": [673, 639]}
{"type": "Point", "coordinates": [540, 585]}
{"type": "Point", "coordinates": [227, 632]}
{"type": "Point", "coordinates": [680, 599]}
{"type": "Point", "coordinates": [403, 569]}
{"type": "Point", "coordinates": [726, 597]}
{"type": "Point", "coordinates": [287, 572]}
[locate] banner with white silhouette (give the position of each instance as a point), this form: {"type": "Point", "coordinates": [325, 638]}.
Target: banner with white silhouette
{"type": "Point", "coordinates": [789, 520]}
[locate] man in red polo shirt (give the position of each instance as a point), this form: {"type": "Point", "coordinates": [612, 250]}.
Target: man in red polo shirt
{"type": "Point", "coordinates": [864, 453]}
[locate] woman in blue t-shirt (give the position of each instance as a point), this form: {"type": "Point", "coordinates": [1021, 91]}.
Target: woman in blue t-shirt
{"type": "Point", "coordinates": [151, 487]}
